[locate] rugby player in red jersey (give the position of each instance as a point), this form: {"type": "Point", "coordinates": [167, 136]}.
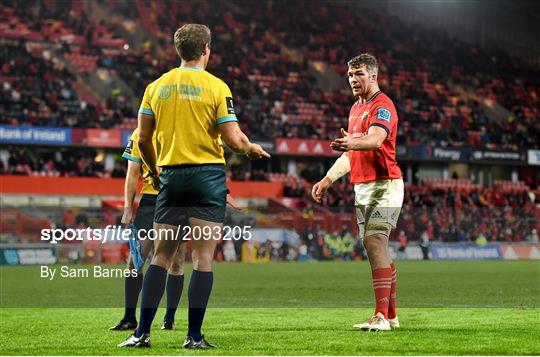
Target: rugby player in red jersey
{"type": "Point", "coordinates": [369, 154]}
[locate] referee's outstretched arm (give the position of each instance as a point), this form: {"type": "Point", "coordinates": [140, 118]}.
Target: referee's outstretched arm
{"type": "Point", "coordinates": [238, 142]}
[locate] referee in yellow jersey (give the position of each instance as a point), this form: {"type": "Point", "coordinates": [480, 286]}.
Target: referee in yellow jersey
{"type": "Point", "coordinates": [190, 111]}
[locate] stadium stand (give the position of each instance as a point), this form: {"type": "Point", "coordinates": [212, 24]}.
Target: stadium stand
{"type": "Point", "coordinates": [439, 85]}
{"type": "Point", "coordinates": [65, 163]}
{"type": "Point", "coordinates": [443, 90]}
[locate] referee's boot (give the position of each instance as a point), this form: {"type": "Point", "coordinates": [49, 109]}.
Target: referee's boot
{"type": "Point", "coordinates": [190, 343]}
{"type": "Point", "coordinates": [125, 325]}
{"type": "Point", "coordinates": [167, 325]}
{"type": "Point", "coordinates": [132, 341]}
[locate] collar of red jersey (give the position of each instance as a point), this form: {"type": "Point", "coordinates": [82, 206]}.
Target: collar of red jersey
{"type": "Point", "coordinates": [373, 96]}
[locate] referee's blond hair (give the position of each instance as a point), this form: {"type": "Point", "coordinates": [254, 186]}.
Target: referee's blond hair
{"type": "Point", "coordinates": [190, 41]}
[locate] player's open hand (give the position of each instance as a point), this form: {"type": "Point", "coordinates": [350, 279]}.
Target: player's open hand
{"type": "Point", "coordinates": [343, 143]}
{"type": "Point", "coordinates": [256, 152]}
{"type": "Point", "coordinates": [320, 189]}
{"type": "Point", "coordinates": [127, 217]}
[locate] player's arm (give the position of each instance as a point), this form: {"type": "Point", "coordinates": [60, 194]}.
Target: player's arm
{"type": "Point", "coordinates": [341, 167]}
{"type": "Point", "coordinates": [372, 141]}
{"type": "Point", "coordinates": [130, 190]}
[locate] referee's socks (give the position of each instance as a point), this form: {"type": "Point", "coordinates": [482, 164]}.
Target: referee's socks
{"type": "Point", "coordinates": [175, 285]}
{"type": "Point", "coordinates": [200, 287]}
{"type": "Point", "coordinates": [153, 289]}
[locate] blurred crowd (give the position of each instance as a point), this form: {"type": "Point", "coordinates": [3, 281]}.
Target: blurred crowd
{"type": "Point", "coordinates": [443, 214]}
{"type": "Point", "coordinates": [463, 215]}
{"type": "Point", "coordinates": [267, 53]}
{"type": "Point", "coordinates": [447, 213]}
{"type": "Point", "coordinates": [81, 163]}
{"type": "Point", "coordinates": [338, 245]}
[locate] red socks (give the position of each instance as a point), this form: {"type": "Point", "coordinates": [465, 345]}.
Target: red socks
{"type": "Point", "coordinates": [382, 283]}
{"type": "Point", "coordinates": [392, 307]}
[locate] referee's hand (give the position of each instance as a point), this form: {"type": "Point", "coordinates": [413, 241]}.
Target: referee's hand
{"type": "Point", "coordinates": [127, 217]}
{"type": "Point", "coordinates": [154, 179]}
{"type": "Point", "coordinates": [256, 152]}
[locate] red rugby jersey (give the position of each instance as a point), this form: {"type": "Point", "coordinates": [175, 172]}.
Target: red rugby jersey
{"type": "Point", "coordinates": [377, 164]}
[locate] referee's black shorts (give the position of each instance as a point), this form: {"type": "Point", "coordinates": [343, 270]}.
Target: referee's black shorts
{"type": "Point", "coordinates": [144, 219]}
{"type": "Point", "coordinates": [198, 191]}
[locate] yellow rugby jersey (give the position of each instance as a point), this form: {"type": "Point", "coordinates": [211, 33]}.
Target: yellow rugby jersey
{"type": "Point", "coordinates": [188, 103]}
{"type": "Point", "coordinates": [132, 152]}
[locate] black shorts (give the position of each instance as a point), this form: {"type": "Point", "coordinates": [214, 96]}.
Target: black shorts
{"type": "Point", "coordinates": [198, 191]}
{"type": "Point", "coordinates": [144, 219]}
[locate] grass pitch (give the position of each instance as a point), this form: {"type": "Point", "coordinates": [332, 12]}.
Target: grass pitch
{"type": "Point", "coordinates": [445, 308]}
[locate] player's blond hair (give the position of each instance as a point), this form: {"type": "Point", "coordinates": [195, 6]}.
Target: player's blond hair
{"type": "Point", "coordinates": [365, 59]}
{"type": "Point", "coordinates": [190, 40]}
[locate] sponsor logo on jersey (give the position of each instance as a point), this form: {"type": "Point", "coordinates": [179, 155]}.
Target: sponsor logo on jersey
{"type": "Point", "coordinates": [185, 91]}
{"type": "Point", "coordinates": [164, 92]}
{"type": "Point", "coordinates": [358, 135]}
{"type": "Point", "coordinates": [365, 115]}
{"type": "Point", "coordinates": [384, 114]}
